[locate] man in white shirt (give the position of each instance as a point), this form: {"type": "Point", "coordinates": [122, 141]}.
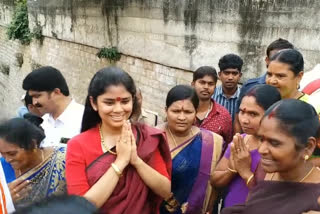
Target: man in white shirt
{"type": "Point", "coordinates": [6, 205]}
{"type": "Point", "coordinates": [62, 116]}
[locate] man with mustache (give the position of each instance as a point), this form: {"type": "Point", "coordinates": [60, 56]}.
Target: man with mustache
{"type": "Point", "coordinates": [62, 116]}
{"type": "Point", "coordinates": [210, 115]}
{"type": "Point", "coordinates": [230, 66]}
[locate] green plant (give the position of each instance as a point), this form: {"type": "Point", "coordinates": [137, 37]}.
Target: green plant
{"type": "Point", "coordinates": [19, 26]}
{"type": "Point", "coordinates": [5, 69]}
{"type": "Point", "coordinates": [35, 65]}
{"type": "Point", "coordinates": [19, 58]}
{"type": "Point", "coordinates": [37, 32]}
{"type": "Point", "coordinates": [112, 54]}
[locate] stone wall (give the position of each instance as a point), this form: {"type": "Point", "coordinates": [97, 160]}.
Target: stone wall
{"type": "Point", "coordinates": [78, 63]}
{"type": "Point", "coordinates": [185, 34]}
{"type": "Point", "coordinates": [161, 41]}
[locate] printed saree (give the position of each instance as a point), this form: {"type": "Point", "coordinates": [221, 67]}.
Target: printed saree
{"type": "Point", "coordinates": [46, 179]}
{"type": "Point", "coordinates": [131, 194]}
{"type": "Point", "coordinates": [192, 167]}
{"type": "Point", "coordinates": [279, 197]}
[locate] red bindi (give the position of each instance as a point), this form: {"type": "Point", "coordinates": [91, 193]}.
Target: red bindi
{"type": "Point", "coordinates": [272, 113]}
{"type": "Point", "coordinates": [118, 99]}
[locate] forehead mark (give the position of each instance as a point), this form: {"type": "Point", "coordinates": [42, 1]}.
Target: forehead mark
{"type": "Point", "coordinates": [118, 99]}
{"type": "Point", "coordinates": [273, 113]}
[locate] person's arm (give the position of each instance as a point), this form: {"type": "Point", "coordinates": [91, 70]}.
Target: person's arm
{"type": "Point", "coordinates": [77, 183]}
{"type": "Point", "coordinates": [222, 176]}
{"type": "Point", "coordinates": [100, 192]}
{"type": "Point", "coordinates": [157, 182]}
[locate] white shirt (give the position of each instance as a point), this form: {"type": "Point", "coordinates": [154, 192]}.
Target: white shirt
{"type": "Point", "coordinates": [4, 191]}
{"type": "Point", "coordinates": [67, 125]}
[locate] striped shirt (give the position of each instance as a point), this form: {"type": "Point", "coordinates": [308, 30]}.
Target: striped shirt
{"type": "Point", "coordinates": [229, 103]}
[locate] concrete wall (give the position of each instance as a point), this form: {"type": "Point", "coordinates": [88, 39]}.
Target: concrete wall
{"type": "Point", "coordinates": [185, 34]}
{"type": "Point", "coordinates": [162, 41]}
{"type": "Point", "coordinates": [78, 63]}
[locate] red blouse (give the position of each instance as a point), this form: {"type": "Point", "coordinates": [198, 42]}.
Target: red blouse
{"type": "Point", "coordinates": [82, 150]}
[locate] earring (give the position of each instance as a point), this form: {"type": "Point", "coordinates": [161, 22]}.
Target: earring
{"type": "Point", "coordinates": [306, 157]}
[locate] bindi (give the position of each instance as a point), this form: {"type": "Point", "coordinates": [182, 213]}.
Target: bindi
{"type": "Point", "coordinates": [272, 113]}
{"type": "Point", "coordinates": [118, 99]}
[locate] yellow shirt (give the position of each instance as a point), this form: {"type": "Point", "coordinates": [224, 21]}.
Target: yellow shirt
{"type": "Point", "coordinates": [306, 98]}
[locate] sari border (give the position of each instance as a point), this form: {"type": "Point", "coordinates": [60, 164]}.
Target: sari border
{"type": "Point", "coordinates": [186, 142]}
{"type": "Point", "coordinates": [97, 159]}
{"type": "Point", "coordinates": [40, 166]}
{"type": "Point", "coordinates": [197, 194]}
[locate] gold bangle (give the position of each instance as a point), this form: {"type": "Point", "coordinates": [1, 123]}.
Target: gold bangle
{"type": "Point", "coordinates": [116, 169]}
{"type": "Point", "coordinates": [232, 170]}
{"type": "Point", "coordinates": [249, 179]}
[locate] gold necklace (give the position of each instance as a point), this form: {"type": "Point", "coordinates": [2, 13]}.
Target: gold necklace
{"type": "Point", "coordinates": [102, 142]}
{"type": "Point", "coordinates": [174, 140]}
{"type": "Point", "coordinates": [304, 178]}
{"type": "Point", "coordinates": [307, 174]}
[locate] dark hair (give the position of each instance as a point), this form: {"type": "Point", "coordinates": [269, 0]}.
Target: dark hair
{"type": "Point", "coordinates": [299, 119]}
{"type": "Point", "coordinates": [291, 57]}
{"type": "Point", "coordinates": [230, 61]}
{"type": "Point", "coordinates": [205, 71]}
{"type": "Point", "coordinates": [182, 92]}
{"type": "Point", "coordinates": [62, 204]}
{"type": "Point", "coordinates": [34, 119]}
{"type": "Point", "coordinates": [22, 133]}
{"type": "Point", "coordinates": [279, 44]}
{"type": "Point", "coordinates": [265, 95]}
{"type": "Point", "coordinates": [27, 99]}
{"type": "Point", "coordinates": [46, 78]}
{"type": "Point", "coordinates": [99, 83]}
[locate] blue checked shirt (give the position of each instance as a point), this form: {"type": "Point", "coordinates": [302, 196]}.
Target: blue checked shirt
{"type": "Point", "coordinates": [229, 103]}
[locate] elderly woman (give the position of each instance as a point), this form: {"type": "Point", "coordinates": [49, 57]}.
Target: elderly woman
{"type": "Point", "coordinates": [25, 164]}
{"type": "Point", "coordinates": [287, 136]}
{"type": "Point", "coordinates": [195, 153]}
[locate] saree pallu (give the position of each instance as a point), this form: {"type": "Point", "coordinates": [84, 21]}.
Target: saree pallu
{"type": "Point", "coordinates": [192, 167]}
{"type": "Point", "coordinates": [132, 195]}
{"type": "Point", "coordinates": [278, 198]}
{"type": "Point", "coordinates": [46, 179]}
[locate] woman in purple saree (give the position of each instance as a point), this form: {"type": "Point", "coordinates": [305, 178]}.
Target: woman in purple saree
{"type": "Point", "coordinates": [241, 158]}
{"type": "Point", "coordinates": [194, 153]}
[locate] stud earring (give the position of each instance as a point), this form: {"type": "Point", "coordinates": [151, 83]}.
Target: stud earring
{"type": "Point", "coordinates": [306, 157]}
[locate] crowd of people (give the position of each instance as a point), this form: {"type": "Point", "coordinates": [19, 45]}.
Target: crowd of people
{"type": "Point", "coordinates": [222, 149]}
